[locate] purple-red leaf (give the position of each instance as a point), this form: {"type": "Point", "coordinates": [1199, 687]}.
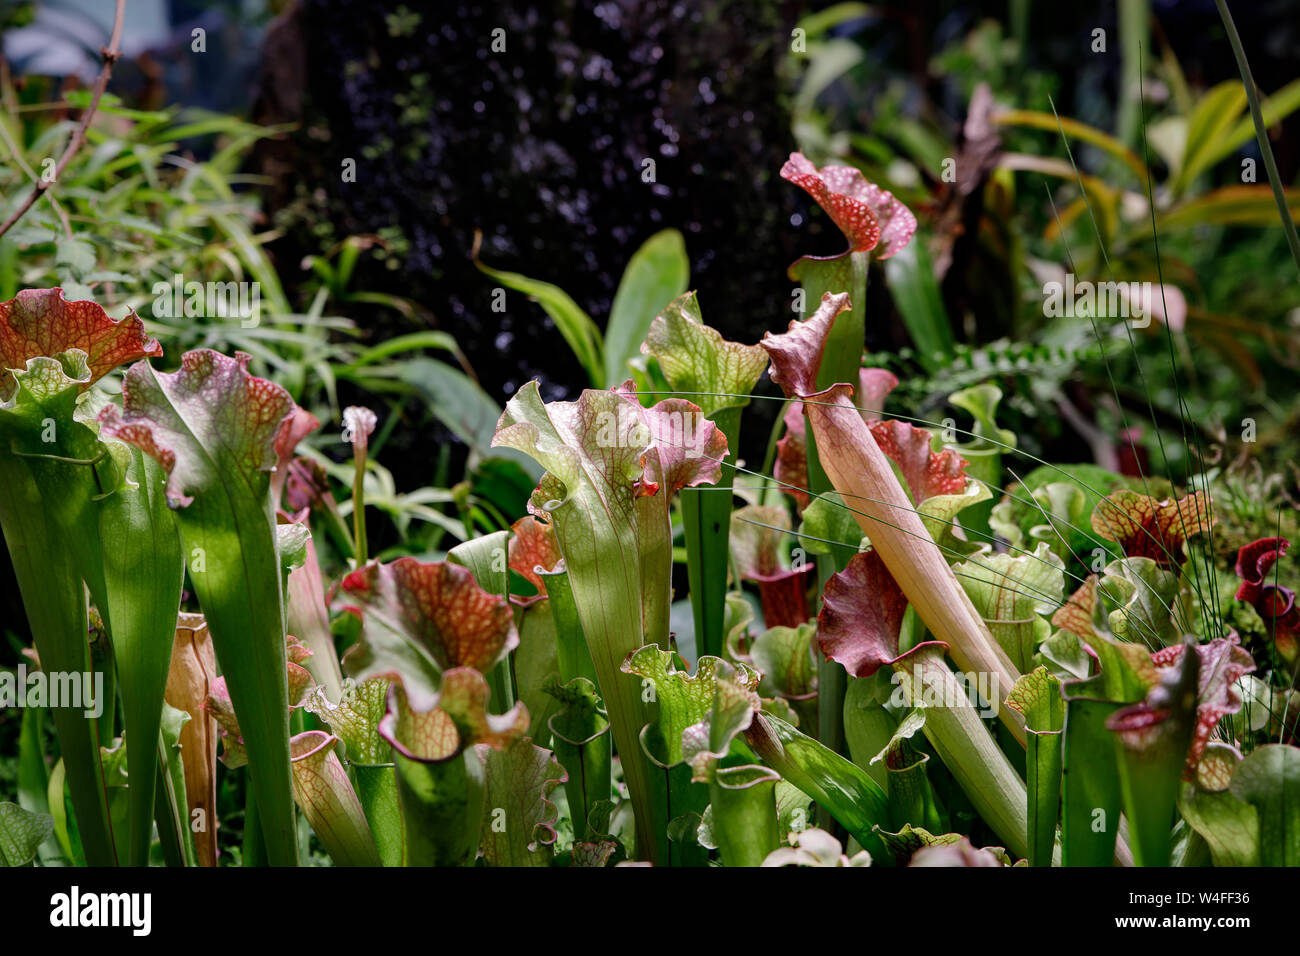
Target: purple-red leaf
{"type": "Point", "coordinates": [420, 620]}
{"type": "Point", "coordinates": [533, 551]}
{"type": "Point", "coordinates": [1275, 604]}
{"type": "Point", "coordinates": [870, 217]}
{"type": "Point", "coordinates": [208, 419]}
{"type": "Point", "coordinates": [293, 429]}
{"type": "Point", "coordinates": [1223, 663]}
{"type": "Point", "coordinates": [861, 615]}
{"type": "Point", "coordinates": [40, 322]}
{"type": "Point", "coordinates": [1146, 528]}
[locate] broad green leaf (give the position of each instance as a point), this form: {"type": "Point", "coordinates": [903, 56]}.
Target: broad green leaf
{"type": "Point", "coordinates": [1229, 826]}
{"type": "Point", "coordinates": [21, 832]}
{"type": "Point", "coordinates": [518, 818]}
{"type": "Point", "coordinates": [33, 774]}
{"type": "Point", "coordinates": [143, 570]}
{"type": "Point", "coordinates": [612, 468]}
{"type": "Point", "coordinates": [456, 400]}
{"type": "Point", "coordinates": [1074, 129]}
{"type": "Point", "coordinates": [1227, 205]}
{"type": "Point", "coordinates": [1269, 780]}
{"type": "Point", "coordinates": [1214, 114]}
{"type": "Point", "coordinates": [848, 793]}
{"type": "Point", "coordinates": [52, 471]}
{"type": "Point", "coordinates": [656, 274]}
{"type": "Point", "coordinates": [1224, 142]}
{"type": "Point", "coordinates": [217, 456]}
{"type": "Point", "coordinates": [915, 291]}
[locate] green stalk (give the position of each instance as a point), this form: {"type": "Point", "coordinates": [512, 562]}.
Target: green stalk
{"type": "Point", "coordinates": [143, 570]}
{"type": "Point", "coordinates": [254, 846]}
{"type": "Point", "coordinates": [580, 731]}
{"type": "Point", "coordinates": [377, 790]}
{"type": "Point", "coordinates": [744, 814]}
{"type": "Point", "coordinates": [177, 850]}
{"type": "Point", "coordinates": [842, 360]}
{"type": "Point", "coordinates": [54, 599]}
{"type": "Point", "coordinates": [580, 740]}
{"type": "Point", "coordinates": [1091, 797]}
{"type": "Point", "coordinates": [963, 743]}
{"type": "Point", "coordinates": [359, 502]}
{"type": "Point", "coordinates": [855, 800]}
{"type": "Point", "coordinates": [442, 809]}
{"type": "Point", "coordinates": [239, 591]}
{"type": "Point", "coordinates": [868, 727]}
{"type": "Point", "coordinates": [1261, 131]}
{"type": "Point", "coordinates": [706, 522]}
{"type": "Point", "coordinates": [1037, 695]}
{"type": "Point", "coordinates": [572, 655]}
{"type": "Point", "coordinates": [1134, 37]}
{"type": "Point", "coordinates": [911, 797]}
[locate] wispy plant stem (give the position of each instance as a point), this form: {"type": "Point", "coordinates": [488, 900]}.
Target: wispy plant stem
{"type": "Point", "coordinates": [1261, 131]}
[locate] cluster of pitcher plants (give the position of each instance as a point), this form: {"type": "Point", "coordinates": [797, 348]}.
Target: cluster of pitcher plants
{"type": "Point", "coordinates": [903, 653]}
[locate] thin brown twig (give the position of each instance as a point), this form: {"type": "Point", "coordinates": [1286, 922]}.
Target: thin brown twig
{"type": "Point", "coordinates": [31, 174]}
{"type": "Point", "coordinates": [110, 55]}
